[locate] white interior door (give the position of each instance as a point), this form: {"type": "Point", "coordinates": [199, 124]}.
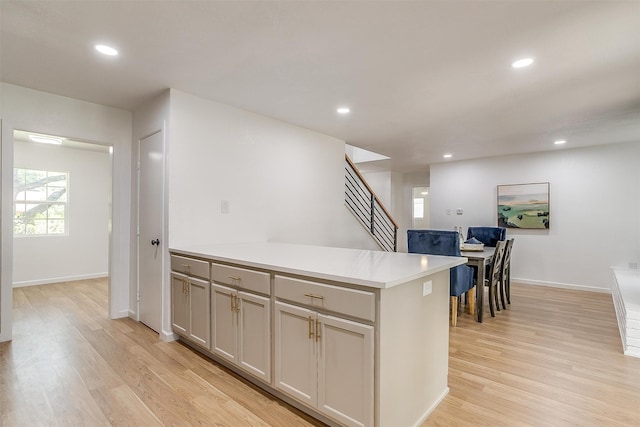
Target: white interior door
{"type": "Point", "coordinates": [150, 220]}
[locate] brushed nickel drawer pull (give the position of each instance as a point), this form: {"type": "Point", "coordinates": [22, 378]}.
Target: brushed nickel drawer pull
{"type": "Point", "coordinates": [317, 330]}
{"type": "Point", "coordinates": [310, 327]}
{"type": "Point", "coordinates": [314, 296]}
{"type": "Point", "coordinates": [234, 277]}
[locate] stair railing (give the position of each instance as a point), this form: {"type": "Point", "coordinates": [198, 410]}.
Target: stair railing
{"type": "Point", "coordinates": [368, 209]}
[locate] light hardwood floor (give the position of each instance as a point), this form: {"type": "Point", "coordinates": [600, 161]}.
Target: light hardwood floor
{"type": "Point", "coordinates": [68, 365]}
{"type": "Point", "coordinates": [554, 358]}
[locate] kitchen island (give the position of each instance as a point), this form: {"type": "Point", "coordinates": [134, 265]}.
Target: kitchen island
{"type": "Point", "coordinates": [352, 337]}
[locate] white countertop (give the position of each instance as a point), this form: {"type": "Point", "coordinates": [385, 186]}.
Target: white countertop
{"type": "Point", "coordinates": [376, 269]}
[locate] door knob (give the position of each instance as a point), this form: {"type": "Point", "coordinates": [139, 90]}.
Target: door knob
{"type": "Point", "coordinates": [155, 242]}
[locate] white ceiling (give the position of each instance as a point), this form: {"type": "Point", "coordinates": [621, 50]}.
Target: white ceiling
{"type": "Point", "coordinates": [422, 78]}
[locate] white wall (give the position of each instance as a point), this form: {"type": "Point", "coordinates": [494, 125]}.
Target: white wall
{"type": "Point", "coordinates": [281, 182]}
{"type": "Point", "coordinates": [594, 210]}
{"type": "Point", "coordinates": [22, 108]}
{"type": "Point", "coordinates": [83, 253]}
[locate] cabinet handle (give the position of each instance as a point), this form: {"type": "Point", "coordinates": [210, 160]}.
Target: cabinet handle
{"type": "Point", "coordinates": [317, 330]}
{"type": "Point", "coordinates": [234, 278]}
{"type": "Point", "coordinates": [235, 303]}
{"type": "Point", "coordinates": [310, 327]}
{"type": "Point", "coordinates": [314, 296]}
{"type": "Point", "coordinates": [186, 267]}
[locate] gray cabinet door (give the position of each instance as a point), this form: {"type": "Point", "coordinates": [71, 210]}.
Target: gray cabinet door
{"type": "Point", "coordinates": [179, 303]}
{"type": "Point", "coordinates": [199, 312]}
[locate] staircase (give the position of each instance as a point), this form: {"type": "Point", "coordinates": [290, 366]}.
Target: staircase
{"type": "Point", "coordinates": [366, 207]}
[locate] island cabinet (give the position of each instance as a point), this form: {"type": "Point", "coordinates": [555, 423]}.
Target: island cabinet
{"type": "Point", "coordinates": [241, 318]}
{"type": "Point", "coordinates": [351, 337]}
{"type": "Point", "coordinates": [323, 360]}
{"type": "Point", "coordinates": [190, 299]}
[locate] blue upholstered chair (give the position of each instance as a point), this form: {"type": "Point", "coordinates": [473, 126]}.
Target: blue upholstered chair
{"type": "Point", "coordinates": [441, 242]}
{"type": "Point", "coordinates": [487, 235]}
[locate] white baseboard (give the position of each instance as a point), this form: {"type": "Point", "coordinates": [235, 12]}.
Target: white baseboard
{"type": "Point", "coordinates": [168, 336]}
{"type": "Point", "coordinates": [432, 407]}
{"type": "Point", "coordinates": [120, 314]}
{"type": "Point", "coordinates": [635, 352]}
{"type": "Point", "coordinates": [59, 279]}
{"type": "Point", "coordinates": [561, 285]}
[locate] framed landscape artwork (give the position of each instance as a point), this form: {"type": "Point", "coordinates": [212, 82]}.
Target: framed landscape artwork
{"type": "Point", "coordinates": [524, 205]}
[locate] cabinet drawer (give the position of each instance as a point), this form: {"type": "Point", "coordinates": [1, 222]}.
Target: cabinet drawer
{"type": "Point", "coordinates": [251, 280]}
{"type": "Point", "coordinates": [190, 266]}
{"type": "Point", "coordinates": [351, 302]}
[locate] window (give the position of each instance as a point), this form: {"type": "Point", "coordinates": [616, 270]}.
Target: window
{"type": "Point", "coordinates": [418, 207]}
{"type": "Point", "coordinates": [39, 202]}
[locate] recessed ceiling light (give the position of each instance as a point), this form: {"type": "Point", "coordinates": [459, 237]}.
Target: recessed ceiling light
{"type": "Point", "coordinates": [343, 110]}
{"type": "Point", "coordinates": [447, 156]}
{"type": "Point", "coordinates": [521, 63]}
{"type": "Point", "coordinates": [560, 142]}
{"type": "Point", "coordinates": [424, 193]}
{"type": "Point", "coordinates": [45, 139]}
{"type": "Point", "coordinates": [106, 50]}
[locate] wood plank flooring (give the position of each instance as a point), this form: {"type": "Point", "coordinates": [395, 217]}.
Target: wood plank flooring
{"type": "Point", "coordinates": [553, 359]}
{"type": "Point", "coordinates": [68, 365]}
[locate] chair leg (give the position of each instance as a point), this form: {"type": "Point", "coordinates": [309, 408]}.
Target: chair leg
{"type": "Point", "coordinates": [503, 291]}
{"type": "Point", "coordinates": [492, 301]}
{"type": "Point", "coordinates": [507, 283]}
{"type": "Point", "coordinates": [496, 295]}
{"type": "Point", "coordinates": [454, 311]}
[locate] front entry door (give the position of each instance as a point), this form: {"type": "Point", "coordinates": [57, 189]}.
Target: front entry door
{"type": "Point", "coordinates": [150, 220]}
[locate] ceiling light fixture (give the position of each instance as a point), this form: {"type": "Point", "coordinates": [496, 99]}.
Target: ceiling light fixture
{"type": "Point", "coordinates": [343, 110]}
{"type": "Point", "coordinates": [106, 50]}
{"type": "Point", "coordinates": [521, 63]}
{"type": "Point", "coordinates": [447, 156]}
{"type": "Point", "coordinates": [560, 142]}
{"type": "Point", "coordinates": [45, 139]}
{"type": "Point", "coordinates": [424, 193]}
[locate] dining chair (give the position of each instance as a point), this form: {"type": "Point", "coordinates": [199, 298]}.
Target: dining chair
{"type": "Point", "coordinates": [505, 281]}
{"type": "Point", "coordinates": [442, 242]}
{"type": "Point", "coordinates": [495, 277]}
{"type": "Point", "coordinates": [487, 235]}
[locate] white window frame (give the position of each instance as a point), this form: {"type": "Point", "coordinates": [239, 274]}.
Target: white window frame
{"type": "Point", "coordinates": [46, 187]}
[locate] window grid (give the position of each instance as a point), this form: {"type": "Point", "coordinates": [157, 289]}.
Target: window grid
{"type": "Point", "coordinates": [40, 202]}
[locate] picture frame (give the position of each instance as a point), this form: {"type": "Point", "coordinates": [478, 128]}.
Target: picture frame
{"type": "Point", "coordinates": [524, 206]}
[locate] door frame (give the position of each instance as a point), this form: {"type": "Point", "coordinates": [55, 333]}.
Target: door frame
{"type": "Point", "coordinates": [166, 333]}
{"type": "Point", "coordinates": [7, 165]}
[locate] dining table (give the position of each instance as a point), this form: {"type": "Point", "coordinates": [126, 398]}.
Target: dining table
{"type": "Point", "coordinates": [479, 259]}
